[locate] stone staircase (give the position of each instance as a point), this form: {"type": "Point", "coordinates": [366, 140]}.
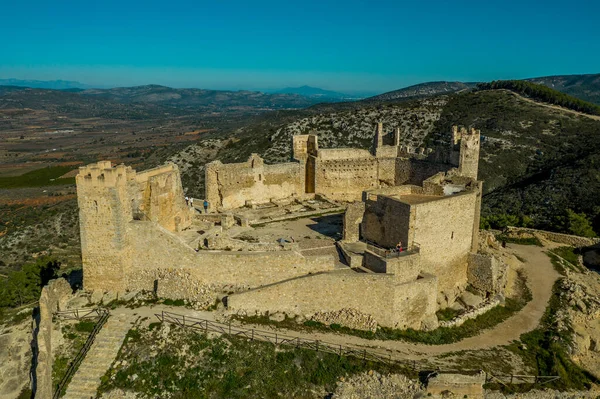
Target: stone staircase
{"type": "Point", "coordinates": [103, 352]}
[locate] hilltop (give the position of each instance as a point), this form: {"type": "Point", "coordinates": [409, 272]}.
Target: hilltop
{"type": "Point", "coordinates": [423, 90]}
{"type": "Point", "coordinates": [585, 87]}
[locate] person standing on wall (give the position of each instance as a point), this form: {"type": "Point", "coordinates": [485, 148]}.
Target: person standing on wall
{"type": "Point", "coordinates": [399, 246]}
{"type": "Point", "coordinates": [187, 200]}
{"type": "Point", "coordinates": [205, 206]}
{"type": "Point", "coordinates": [192, 202]}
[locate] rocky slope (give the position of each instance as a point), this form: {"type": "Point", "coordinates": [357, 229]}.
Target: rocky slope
{"type": "Point", "coordinates": [423, 90]}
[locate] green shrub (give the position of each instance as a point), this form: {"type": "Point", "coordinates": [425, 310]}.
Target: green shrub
{"type": "Point", "coordinates": [86, 326]}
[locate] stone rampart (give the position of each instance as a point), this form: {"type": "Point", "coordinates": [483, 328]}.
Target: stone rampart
{"type": "Point", "coordinates": [391, 304]}
{"type": "Point", "coordinates": [54, 297]}
{"type": "Point", "coordinates": [345, 179]}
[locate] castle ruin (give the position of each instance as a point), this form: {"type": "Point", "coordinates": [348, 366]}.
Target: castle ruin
{"type": "Point", "coordinates": [138, 234]}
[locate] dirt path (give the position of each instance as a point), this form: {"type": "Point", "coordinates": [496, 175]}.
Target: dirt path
{"type": "Point", "coordinates": [555, 107]}
{"type": "Point", "coordinates": [541, 277]}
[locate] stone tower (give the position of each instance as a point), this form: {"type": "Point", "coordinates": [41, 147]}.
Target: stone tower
{"type": "Point", "coordinates": [468, 142]}
{"type": "Point", "coordinates": [378, 138]}
{"type": "Point", "coordinates": [105, 195]}
{"type": "Point", "coordinates": [305, 150]}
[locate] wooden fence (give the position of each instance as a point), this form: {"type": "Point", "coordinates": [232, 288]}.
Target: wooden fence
{"type": "Point", "coordinates": [80, 314]}
{"type": "Point", "coordinates": [205, 326]}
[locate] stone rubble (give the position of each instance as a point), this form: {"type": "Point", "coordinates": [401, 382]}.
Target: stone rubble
{"type": "Point", "coordinates": [373, 385]}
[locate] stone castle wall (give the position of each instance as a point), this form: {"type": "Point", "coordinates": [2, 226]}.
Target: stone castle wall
{"type": "Point", "coordinates": [443, 230]}
{"type": "Point", "coordinates": [163, 262]}
{"type": "Point", "coordinates": [231, 186]}
{"type": "Point", "coordinates": [389, 303]}
{"type": "Point", "coordinates": [161, 198]}
{"type": "Point", "coordinates": [109, 198]}
{"type": "Point", "coordinates": [128, 219]}
{"type": "Point", "coordinates": [386, 221]}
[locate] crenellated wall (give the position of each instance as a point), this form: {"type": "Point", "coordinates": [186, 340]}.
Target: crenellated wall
{"type": "Point", "coordinates": [109, 198]}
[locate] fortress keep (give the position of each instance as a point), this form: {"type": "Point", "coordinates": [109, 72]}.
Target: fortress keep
{"type": "Point", "coordinates": [138, 234]}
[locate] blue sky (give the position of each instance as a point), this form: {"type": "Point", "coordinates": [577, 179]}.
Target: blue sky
{"type": "Point", "coordinates": [346, 45]}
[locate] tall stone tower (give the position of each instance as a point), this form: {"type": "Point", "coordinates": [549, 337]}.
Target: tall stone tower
{"type": "Point", "coordinates": [105, 196]}
{"type": "Point", "coordinates": [305, 149]}
{"type": "Point", "coordinates": [468, 153]}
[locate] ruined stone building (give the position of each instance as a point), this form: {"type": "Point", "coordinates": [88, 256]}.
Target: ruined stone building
{"type": "Point", "coordinates": [337, 173]}
{"type": "Point", "coordinates": [135, 232]}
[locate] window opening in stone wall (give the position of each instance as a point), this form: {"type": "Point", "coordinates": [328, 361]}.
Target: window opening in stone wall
{"type": "Point", "coordinates": [452, 236]}
{"type": "Point", "coordinates": [96, 206]}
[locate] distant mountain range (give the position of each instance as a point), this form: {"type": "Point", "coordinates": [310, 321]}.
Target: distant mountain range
{"type": "Point", "coordinates": [586, 87]}
{"type": "Point", "coordinates": [315, 92]}
{"type": "Point", "coordinates": [45, 84]}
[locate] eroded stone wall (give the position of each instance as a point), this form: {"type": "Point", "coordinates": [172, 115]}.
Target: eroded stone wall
{"type": "Point", "coordinates": [353, 217]}
{"type": "Point", "coordinates": [486, 273]}
{"type": "Point", "coordinates": [386, 221]}
{"type": "Point", "coordinates": [161, 198]}
{"type": "Point", "coordinates": [568, 239]}
{"type": "Point", "coordinates": [390, 304]}
{"type": "Point", "coordinates": [343, 174]}
{"type": "Point", "coordinates": [230, 186]}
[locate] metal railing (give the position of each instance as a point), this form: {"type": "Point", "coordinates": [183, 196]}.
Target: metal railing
{"type": "Point", "coordinates": [81, 314]}
{"type": "Point", "coordinates": [205, 326]}
{"type": "Point", "coordinates": [103, 315]}
{"type": "Point", "coordinates": [391, 252]}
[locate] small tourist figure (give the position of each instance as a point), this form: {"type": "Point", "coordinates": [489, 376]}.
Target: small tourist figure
{"type": "Point", "coordinates": [399, 246]}
{"type": "Point", "coordinates": [205, 206]}
{"type": "Point", "coordinates": [187, 200]}
{"type": "Point", "coordinates": [192, 202]}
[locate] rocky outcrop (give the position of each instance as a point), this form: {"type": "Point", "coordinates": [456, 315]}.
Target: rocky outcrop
{"type": "Point", "coordinates": [54, 297]}
{"type": "Point", "coordinates": [15, 356]}
{"type": "Point", "coordinates": [582, 292]}
{"type": "Point", "coordinates": [372, 385]}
